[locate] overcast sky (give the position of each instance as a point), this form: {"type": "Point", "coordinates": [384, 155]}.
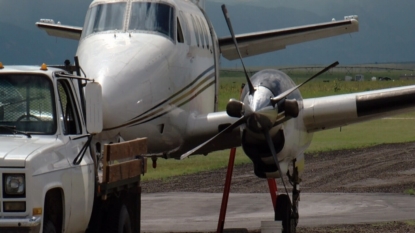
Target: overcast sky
{"type": "Point", "coordinates": [387, 31]}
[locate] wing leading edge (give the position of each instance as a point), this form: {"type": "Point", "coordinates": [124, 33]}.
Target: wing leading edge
{"type": "Point", "coordinates": [336, 111]}
{"type": "Point", "coordinates": [64, 31]}
{"type": "Point", "coordinates": [267, 41]}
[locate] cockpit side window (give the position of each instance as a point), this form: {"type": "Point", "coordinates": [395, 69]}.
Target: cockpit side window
{"type": "Point", "coordinates": [153, 17]}
{"type": "Point", "coordinates": [104, 17]}
{"type": "Point", "coordinates": [180, 37]}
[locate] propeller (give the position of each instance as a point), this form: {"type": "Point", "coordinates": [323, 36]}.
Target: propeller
{"type": "Point", "coordinates": [260, 121]}
{"type": "Point", "coordinates": [281, 96]}
{"type": "Point", "coordinates": [274, 155]}
{"type": "Point", "coordinates": [226, 130]}
{"type": "Point", "coordinates": [228, 21]}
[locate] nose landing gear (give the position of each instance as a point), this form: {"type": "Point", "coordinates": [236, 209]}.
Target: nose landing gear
{"type": "Point", "coordinates": [285, 210]}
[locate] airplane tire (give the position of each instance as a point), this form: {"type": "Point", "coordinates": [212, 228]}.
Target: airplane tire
{"type": "Point", "coordinates": [283, 213]}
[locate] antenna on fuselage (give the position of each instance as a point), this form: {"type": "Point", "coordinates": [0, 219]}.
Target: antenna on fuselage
{"type": "Point", "coordinates": [228, 21]}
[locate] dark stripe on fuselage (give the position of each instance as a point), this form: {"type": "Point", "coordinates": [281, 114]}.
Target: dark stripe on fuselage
{"type": "Point", "coordinates": [193, 96]}
{"type": "Point", "coordinates": [142, 117]}
{"type": "Point", "coordinates": [384, 102]}
{"type": "Point", "coordinates": [177, 93]}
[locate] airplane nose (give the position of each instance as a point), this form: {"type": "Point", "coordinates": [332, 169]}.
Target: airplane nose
{"type": "Point", "coordinates": [127, 69]}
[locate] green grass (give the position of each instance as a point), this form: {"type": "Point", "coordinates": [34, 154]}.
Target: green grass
{"type": "Point", "coordinates": [366, 134]}
{"type": "Point", "coordinates": [410, 192]}
{"type": "Point", "coordinates": [410, 222]}
{"type": "Point", "coordinates": [352, 136]}
{"type": "Point", "coordinates": [194, 164]}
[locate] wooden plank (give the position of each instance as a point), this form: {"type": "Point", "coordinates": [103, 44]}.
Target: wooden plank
{"type": "Point", "coordinates": [125, 170]}
{"type": "Point", "coordinates": [138, 146]}
{"type": "Point", "coordinates": [117, 151]}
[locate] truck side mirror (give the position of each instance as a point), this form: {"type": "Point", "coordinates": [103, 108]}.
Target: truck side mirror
{"type": "Point", "coordinates": [93, 101]}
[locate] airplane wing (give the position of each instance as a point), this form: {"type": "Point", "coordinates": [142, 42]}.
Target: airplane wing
{"type": "Point", "coordinates": [336, 111]}
{"type": "Point", "coordinates": [267, 41]}
{"type": "Point", "coordinates": [202, 127]}
{"type": "Point", "coordinates": [64, 31]}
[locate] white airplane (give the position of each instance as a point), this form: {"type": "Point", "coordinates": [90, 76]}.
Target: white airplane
{"type": "Point", "coordinates": [158, 64]}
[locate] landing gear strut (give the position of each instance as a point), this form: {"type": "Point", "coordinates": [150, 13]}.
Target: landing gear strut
{"type": "Point", "coordinates": [285, 210]}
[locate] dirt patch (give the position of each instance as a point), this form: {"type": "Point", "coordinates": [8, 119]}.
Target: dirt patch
{"type": "Point", "coordinates": [386, 168]}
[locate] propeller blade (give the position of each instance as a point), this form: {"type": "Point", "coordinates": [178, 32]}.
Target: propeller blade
{"type": "Point", "coordinates": [227, 129]}
{"type": "Point", "coordinates": [228, 21]}
{"type": "Point", "coordinates": [281, 96]}
{"type": "Point", "coordinates": [274, 155]}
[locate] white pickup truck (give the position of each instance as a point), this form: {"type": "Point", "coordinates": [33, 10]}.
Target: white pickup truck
{"type": "Point", "coordinates": [51, 177]}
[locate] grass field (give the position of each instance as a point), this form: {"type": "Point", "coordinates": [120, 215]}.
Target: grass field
{"type": "Point", "coordinates": [391, 130]}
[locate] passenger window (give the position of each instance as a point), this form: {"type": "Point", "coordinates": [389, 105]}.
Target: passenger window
{"type": "Point", "coordinates": [180, 38]}
{"type": "Point", "coordinates": [201, 33]}
{"type": "Point", "coordinates": [69, 118]}
{"type": "Point", "coordinates": [185, 28]}
{"type": "Point", "coordinates": [206, 34]}
{"type": "Point", "coordinates": [195, 29]}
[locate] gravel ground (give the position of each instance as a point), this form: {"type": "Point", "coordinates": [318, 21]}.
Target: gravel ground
{"type": "Point", "coordinates": [386, 168]}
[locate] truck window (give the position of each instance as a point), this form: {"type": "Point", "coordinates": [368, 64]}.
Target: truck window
{"type": "Point", "coordinates": [26, 103]}
{"type": "Point", "coordinates": [152, 17]}
{"type": "Point", "coordinates": [68, 116]}
{"type": "Point", "coordinates": [104, 17]}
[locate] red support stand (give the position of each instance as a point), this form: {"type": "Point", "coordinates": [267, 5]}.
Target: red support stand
{"type": "Point", "coordinates": [273, 191]}
{"type": "Point", "coordinates": [226, 190]}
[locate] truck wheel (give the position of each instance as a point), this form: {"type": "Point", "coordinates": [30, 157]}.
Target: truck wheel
{"type": "Point", "coordinates": [48, 227]}
{"type": "Point", "coordinates": [120, 220]}
{"type": "Point", "coordinates": [124, 224]}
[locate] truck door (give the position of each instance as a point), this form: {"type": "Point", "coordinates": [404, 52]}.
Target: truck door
{"type": "Point", "coordinates": [82, 175]}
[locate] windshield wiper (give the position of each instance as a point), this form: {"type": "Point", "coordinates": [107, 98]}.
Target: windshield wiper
{"type": "Point", "coordinates": [14, 130]}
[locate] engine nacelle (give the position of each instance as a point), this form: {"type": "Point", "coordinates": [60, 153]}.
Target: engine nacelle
{"type": "Point", "coordinates": [268, 83]}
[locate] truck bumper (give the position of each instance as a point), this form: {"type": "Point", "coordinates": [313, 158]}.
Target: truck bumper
{"type": "Point", "coordinates": [20, 225]}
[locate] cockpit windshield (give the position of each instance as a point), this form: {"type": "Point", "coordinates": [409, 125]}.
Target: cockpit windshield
{"type": "Point", "coordinates": [153, 17]}
{"type": "Point", "coordinates": [104, 17]}
{"type": "Point", "coordinates": [26, 104]}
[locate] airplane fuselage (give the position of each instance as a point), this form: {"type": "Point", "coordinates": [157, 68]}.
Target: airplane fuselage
{"type": "Point", "coordinates": [158, 64]}
{"type": "Point", "coordinates": [152, 80]}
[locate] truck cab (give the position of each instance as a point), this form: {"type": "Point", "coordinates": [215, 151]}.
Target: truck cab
{"type": "Point", "coordinates": [47, 176]}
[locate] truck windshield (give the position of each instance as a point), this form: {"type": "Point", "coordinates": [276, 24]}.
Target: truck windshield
{"type": "Point", "coordinates": [152, 17]}
{"type": "Point", "coordinates": [26, 104]}
{"type": "Point", "coordinates": [104, 17]}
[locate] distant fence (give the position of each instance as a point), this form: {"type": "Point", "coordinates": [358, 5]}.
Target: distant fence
{"type": "Point", "coordinates": [339, 69]}
{"type": "Point", "coordinates": [343, 70]}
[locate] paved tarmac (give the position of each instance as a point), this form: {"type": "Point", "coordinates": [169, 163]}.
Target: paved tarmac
{"type": "Point", "coordinates": [199, 212]}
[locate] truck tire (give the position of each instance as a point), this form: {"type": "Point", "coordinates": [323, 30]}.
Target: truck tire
{"type": "Point", "coordinates": [48, 227]}
{"type": "Point", "coordinates": [120, 220]}
{"type": "Point", "coordinates": [124, 223]}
